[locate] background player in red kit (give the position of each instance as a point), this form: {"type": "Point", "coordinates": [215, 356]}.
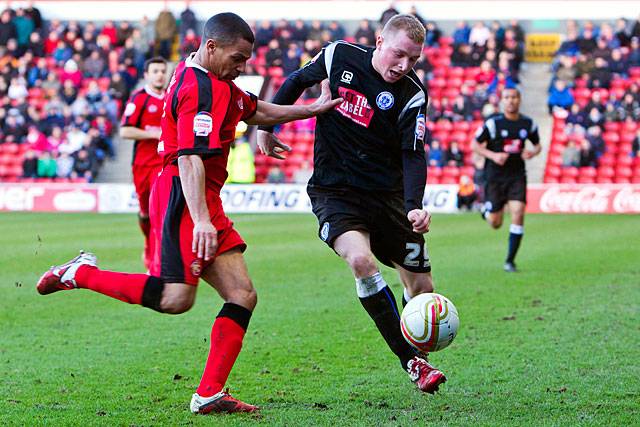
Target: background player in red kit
{"type": "Point", "coordinates": [141, 122]}
{"type": "Point", "coordinates": [194, 236]}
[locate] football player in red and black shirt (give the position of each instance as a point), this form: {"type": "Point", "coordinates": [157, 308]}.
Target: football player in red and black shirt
{"type": "Point", "coordinates": [141, 122]}
{"type": "Point", "coordinates": [194, 238]}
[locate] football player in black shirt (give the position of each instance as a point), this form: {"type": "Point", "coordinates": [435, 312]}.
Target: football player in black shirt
{"type": "Point", "coordinates": [370, 172]}
{"type": "Point", "coordinates": [501, 140]}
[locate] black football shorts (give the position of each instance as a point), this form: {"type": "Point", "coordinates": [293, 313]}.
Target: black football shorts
{"type": "Point", "coordinates": [381, 215]}
{"type": "Point", "coordinates": [498, 191]}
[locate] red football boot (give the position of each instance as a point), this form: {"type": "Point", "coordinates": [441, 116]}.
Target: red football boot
{"type": "Point", "coordinates": [219, 402]}
{"type": "Point", "coordinates": [63, 277]}
{"type": "Point", "coordinates": [426, 377]}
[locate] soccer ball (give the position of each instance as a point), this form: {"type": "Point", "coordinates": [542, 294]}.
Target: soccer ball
{"type": "Point", "coordinates": [429, 322]}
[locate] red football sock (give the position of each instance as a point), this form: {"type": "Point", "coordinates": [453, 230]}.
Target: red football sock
{"type": "Point", "coordinates": [226, 342]}
{"type": "Point", "coordinates": [123, 286]}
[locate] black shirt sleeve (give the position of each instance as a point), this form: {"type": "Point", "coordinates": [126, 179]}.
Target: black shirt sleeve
{"type": "Point", "coordinates": [534, 137]}
{"type": "Point", "coordinates": [414, 169]}
{"type": "Point", "coordinates": [312, 73]}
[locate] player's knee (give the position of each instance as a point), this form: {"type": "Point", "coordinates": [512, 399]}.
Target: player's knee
{"type": "Point", "coordinates": [245, 296]}
{"type": "Point", "coordinates": [495, 223]}
{"type": "Point", "coordinates": [177, 304]}
{"type": "Point", "coordinates": [362, 265]}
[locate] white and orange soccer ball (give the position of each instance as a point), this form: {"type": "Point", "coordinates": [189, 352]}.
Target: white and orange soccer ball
{"type": "Point", "coordinates": [429, 322]}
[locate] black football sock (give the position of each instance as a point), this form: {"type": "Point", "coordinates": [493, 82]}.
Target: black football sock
{"type": "Point", "coordinates": [515, 237]}
{"type": "Point", "coordinates": [376, 297]}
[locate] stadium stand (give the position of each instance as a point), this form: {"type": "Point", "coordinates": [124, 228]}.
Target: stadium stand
{"type": "Point", "coordinates": [62, 85]}
{"type": "Point", "coordinates": [595, 103]}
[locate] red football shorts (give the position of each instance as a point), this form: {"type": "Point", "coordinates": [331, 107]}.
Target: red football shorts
{"type": "Point", "coordinates": [172, 229]}
{"type": "Point", "coordinates": [143, 179]}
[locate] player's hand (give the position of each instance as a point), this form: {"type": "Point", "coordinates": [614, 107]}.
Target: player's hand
{"type": "Point", "coordinates": [528, 154]}
{"type": "Point", "coordinates": [324, 102]}
{"type": "Point", "coordinates": [500, 158]}
{"type": "Point", "coordinates": [420, 220]}
{"type": "Point", "coordinates": [155, 133]}
{"type": "Point", "coordinates": [205, 240]}
{"type": "Point", "coordinates": [271, 146]}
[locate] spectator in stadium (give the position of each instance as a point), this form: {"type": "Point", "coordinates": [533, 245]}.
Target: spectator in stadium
{"type": "Point", "coordinates": [55, 138]}
{"type": "Point", "coordinates": [69, 92]}
{"type": "Point", "coordinates": [635, 30]}
{"type": "Point", "coordinates": [291, 60]}
{"type": "Point", "coordinates": [74, 140]}
{"type": "Point", "coordinates": [24, 27]}
{"type": "Point", "coordinates": [436, 155]}
{"type": "Point", "coordinates": [190, 43]}
{"type": "Point", "coordinates": [188, 21]}
{"type": "Point", "coordinates": [46, 165]}
{"type": "Point", "coordinates": [264, 33]}
{"type": "Point", "coordinates": [611, 113]}
{"type": "Point", "coordinates": [64, 165]}
{"type": "Point", "coordinates": [17, 89]}
{"type": "Point", "coordinates": [633, 59]}
{"type": "Point", "coordinates": [34, 13]}
{"type": "Point", "coordinates": [584, 65]}
{"type": "Point", "coordinates": [635, 146]}
{"type": "Point", "coordinates": [587, 156]}
{"type": "Point", "coordinates": [433, 34]}
{"type": "Point", "coordinates": [453, 156]}
{"type": "Point", "coordinates": [629, 107]}
{"type": "Point", "coordinates": [387, 14]}
{"type": "Point", "coordinates": [466, 193]}
{"type": "Point", "coordinates": [35, 46]}
{"type": "Point", "coordinates": [596, 142]}
{"type": "Point", "coordinates": [299, 31]}
{"type": "Point", "coordinates": [618, 65]}
{"type": "Point", "coordinates": [37, 140]}
{"type": "Point", "coordinates": [600, 76]}
{"type": "Point", "coordinates": [566, 70]}
{"type": "Point", "coordinates": [559, 96]}
{"type": "Point", "coordinates": [30, 165]}
{"type": "Point", "coordinates": [166, 31]}
{"type": "Point", "coordinates": [8, 29]}
{"type": "Point", "coordinates": [82, 165]}
{"type": "Point", "coordinates": [461, 33]}
{"type": "Point", "coordinates": [479, 34]}
{"type": "Point", "coordinates": [571, 155]}
{"type": "Point", "coordinates": [569, 46]}
{"type": "Point", "coordinates": [13, 130]}
{"type": "Point", "coordinates": [273, 57]}
{"type": "Point", "coordinates": [602, 49]}
{"type": "Point", "coordinates": [594, 118]}
{"type": "Point", "coordinates": [587, 43]}
{"type": "Point", "coordinates": [461, 109]}
{"type": "Point", "coordinates": [365, 34]}
{"type": "Point", "coordinates": [276, 175]}
{"type": "Point", "coordinates": [462, 56]}
{"type": "Point", "coordinates": [337, 30]}
{"type": "Point", "coordinates": [517, 29]}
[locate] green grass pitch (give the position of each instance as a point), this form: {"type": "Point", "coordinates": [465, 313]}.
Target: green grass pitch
{"type": "Point", "coordinates": [556, 344]}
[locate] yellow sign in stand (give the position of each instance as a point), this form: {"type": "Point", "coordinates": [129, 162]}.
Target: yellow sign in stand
{"type": "Point", "coordinates": [541, 47]}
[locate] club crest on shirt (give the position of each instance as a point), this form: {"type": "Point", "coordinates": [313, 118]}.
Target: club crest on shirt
{"type": "Point", "coordinates": [202, 124]}
{"type": "Point", "coordinates": [152, 108]}
{"type": "Point", "coordinates": [384, 100]}
{"type": "Point", "coordinates": [130, 109]}
{"type": "Point", "coordinates": [504, 133]}
{"type": "Point", "coordinates": [523, 133]}
{"type": "Point", "coordinates": [421, 127]}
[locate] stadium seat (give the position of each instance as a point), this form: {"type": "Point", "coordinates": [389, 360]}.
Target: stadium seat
{"type": "Point", "coordinates": [570, 172]}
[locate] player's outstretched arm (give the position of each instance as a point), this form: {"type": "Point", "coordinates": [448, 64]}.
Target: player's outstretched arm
{"type": "Point", "coordinates": [273, 114]}
{"type": "Point", "coordinates": [131, 132]}
{"type": "Point", "coordinates": [192, 177]}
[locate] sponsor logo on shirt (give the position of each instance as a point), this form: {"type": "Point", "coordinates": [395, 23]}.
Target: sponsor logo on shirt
{"type": "Point", "coordinates": [421, 127]}
{"type": "Point", "coordinates": [202, 124]}
{"type": "Point", "coordinates": [384, 100]}
{"type": "Point", "coordinates": [346, 77]}
{"type": "Point", "coordinates": [355, 106]}
{"type": "Point", "coordinates": [240, 104]}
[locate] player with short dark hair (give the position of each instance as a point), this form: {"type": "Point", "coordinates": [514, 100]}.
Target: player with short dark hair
{"type": "Point", "coordinates": [193, 236]}
{"type": "Point", "coordinates": [370, 172]}
{"type": "Point", "coordinates": [141, 122]}
{"type": "Point", "coordinates": [501, 140]}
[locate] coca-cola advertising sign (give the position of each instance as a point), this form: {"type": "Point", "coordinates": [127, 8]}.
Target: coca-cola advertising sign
{"type": "Point", "coordinates": [584, 198]}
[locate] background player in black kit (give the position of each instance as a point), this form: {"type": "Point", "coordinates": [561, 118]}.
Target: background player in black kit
{"type": "Point", "coordinates": [370, 172]}
{"type": "Point", "coordinates": [501, 140]}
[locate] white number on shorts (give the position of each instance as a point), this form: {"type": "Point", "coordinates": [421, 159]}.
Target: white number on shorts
{"type": "Point", "coordinates": [411, 258]}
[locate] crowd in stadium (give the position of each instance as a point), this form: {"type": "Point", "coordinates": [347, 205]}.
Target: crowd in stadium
{"type": "Point", "coordinates": [595, 95]}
